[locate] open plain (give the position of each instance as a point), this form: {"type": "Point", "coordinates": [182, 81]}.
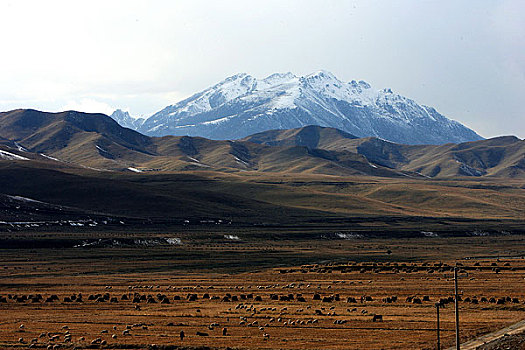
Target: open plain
{"type": "Point", "coordinates": [136, 291]}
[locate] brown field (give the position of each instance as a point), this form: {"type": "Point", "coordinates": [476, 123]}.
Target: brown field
{"type": "Point", "coordinates": [251, 271]}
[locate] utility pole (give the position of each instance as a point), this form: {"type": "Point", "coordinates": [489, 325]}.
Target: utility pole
{"type": "Point", "coordinates": [456, 306]}
{"type": "Point", "coordinates": [438, 337]}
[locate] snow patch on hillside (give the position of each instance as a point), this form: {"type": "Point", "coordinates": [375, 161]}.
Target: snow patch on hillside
{"type": "Point", "coordinates": [11, 156]}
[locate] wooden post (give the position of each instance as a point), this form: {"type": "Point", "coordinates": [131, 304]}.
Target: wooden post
{"type": "Point", "coordinates": [438, 337]}
{"type": "Point", "coordinates": [456, 306]}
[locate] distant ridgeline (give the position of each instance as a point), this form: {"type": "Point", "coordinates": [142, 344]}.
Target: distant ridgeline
{"type": "Point", "coordinates": [95, 141]}
{"type": "Point", "coordinates": [242, 105]}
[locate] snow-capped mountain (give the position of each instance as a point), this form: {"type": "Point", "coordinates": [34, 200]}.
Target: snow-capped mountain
{"type": "Point", "coordinates": [242, 105]}
{"type": "Point", "coordinates": [125, 120]}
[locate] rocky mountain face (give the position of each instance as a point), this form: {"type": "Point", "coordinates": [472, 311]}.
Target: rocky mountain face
{"type": "Point", "coordinates": [242, 105]}
{"type": "Point", "coordinates": [125, 120]}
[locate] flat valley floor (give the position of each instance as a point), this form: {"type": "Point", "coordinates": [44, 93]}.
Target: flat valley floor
{"type": "Point", "coordinates": [261, 294]}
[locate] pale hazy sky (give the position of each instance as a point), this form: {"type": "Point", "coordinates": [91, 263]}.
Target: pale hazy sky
{"type": "Point", "coordinates": [466, 58]}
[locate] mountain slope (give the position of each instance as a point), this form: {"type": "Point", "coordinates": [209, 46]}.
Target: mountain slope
{"type": "Point", "coordinates": [125, 120]}
{"type": "Point", "coordinates": [82, 138]}
{"type": "Point", "coordinates": [242, 105]}
{"type": "Point", "coordinates": [311, 136]}
{"type": "Point", "coordinates": [501, 156]}
{"type": "Point", "coordinates": [39, 130]}
{"type": "Point", "coordinates": [97, 141]}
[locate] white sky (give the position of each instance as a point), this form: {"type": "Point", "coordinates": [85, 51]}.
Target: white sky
{"type": "Point", "coordinates": [466, 58]}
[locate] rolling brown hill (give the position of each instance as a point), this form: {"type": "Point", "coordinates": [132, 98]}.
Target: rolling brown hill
{"type": "Point", "coordinates": [311, 136]}
{"type": "Point", "coordinates": [501, 156]}
{"type": "Point", "coordinates": [97, 141]}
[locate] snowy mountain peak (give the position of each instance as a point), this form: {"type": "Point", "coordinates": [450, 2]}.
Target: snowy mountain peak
{"type": "Point", "coordinates": [361, 84]}
{"type": "Point", "coordinates": [276, 79]}
{"type": "Point", "coordinates": [122, 113]}
{"type": "Point", "coordinates": [276, 76]}
{"type": "Point", "coordinates": [322, 75]}
{"type": "Point", "coordinates": [241, 105]}
{"type": "Point", "coordinates": [236, 76]}
{"type": "Point", "coordinates": [126, 120]}
{"type": "Point", "coordinates": [321, 79]}
{"type": "Point", "coordinates": [235, 86]}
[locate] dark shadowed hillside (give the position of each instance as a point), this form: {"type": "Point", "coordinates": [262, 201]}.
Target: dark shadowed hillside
{"type": "Point", "coordinates": [501, 156]}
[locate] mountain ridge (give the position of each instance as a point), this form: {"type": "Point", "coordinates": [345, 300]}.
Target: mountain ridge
{"type": "Point", "coordinates": [499, 156]}
{"type": "Point", "coordinates": [126, 120]}
{"type": "Point", "coordinates": [242, 105]}
{"type": "Point", "coordinates": [96, 141]}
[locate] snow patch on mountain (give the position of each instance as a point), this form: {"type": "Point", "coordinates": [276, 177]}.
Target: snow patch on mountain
{"type": "Point", "coordinates": [242, 105]}
{"type": "Point", "coordinates": [126, 120]}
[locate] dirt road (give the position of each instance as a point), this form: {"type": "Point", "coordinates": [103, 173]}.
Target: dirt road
{"type": "Point", "coordinates": [487, 338]}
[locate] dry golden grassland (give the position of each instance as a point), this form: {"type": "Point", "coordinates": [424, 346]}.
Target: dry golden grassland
{"type": "Point", "coordinates": [417, 269]}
